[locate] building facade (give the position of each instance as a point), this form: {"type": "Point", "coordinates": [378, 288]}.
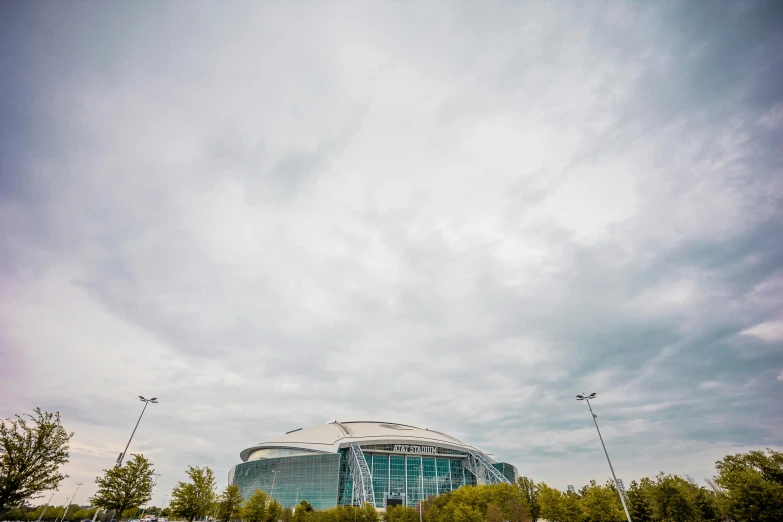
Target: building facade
{"type": "Point", "coordinates": [351, 463]}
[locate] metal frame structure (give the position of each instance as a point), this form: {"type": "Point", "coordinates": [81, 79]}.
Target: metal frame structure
{"type": "Point", "coordinates": [478, 464]}
{"type": "Point", "coordinates": [362, 478]}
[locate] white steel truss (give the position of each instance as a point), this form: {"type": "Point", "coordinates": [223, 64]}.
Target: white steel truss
{"type": "Point", "coordinates": [478, 464]}
{"type": "Point", "coordinates": [362, 479]}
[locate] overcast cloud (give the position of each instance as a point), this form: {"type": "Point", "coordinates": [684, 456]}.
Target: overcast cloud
{"type": "Point", "coordinates": [452, 214]}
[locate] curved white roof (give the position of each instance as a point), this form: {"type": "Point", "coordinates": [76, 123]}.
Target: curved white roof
{"type": "Point", "coordinates": [329, 438]}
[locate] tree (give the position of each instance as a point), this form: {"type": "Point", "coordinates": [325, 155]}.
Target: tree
{"type": "Point", "coordinates": [494, 514]}
{"type": "Point", "coordinates": [32, 449]}
{"type": "Point", "coordinates": [671, 499]}
{"type": "Point", "coordinates": [530, 492]}
{"type": "Point", "coordinates": [304, 512]}
{"type": "Point", "coordinates": [639, 502]}
{"type": "Point", "coordinates": [273, 511]}
{"type": "Point", "coordinates": [601, 503]}
{"type": "Point", "coordinates": [401, 514]}
{"type": "Point", "coordinates": [229, 504]}
{"type": "Point", "coordinates": [466, 513]}
{"type": "Point", "coordinates": [254, 509]}
{"type": "Point", "coordinates": [122, 487]}
{"type": "Point", "coordinates": [751, 486]}
{"type": "Point", "coordinates": [193, 499]}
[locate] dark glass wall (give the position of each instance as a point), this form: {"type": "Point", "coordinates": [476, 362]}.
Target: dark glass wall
{"type": "Point", "coordinates": [508, 471]}
{"type": "Point", "coordinates": [314, 478]}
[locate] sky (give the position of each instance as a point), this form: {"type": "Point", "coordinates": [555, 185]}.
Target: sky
{"type": "Point", "coordinates": [456, 215]}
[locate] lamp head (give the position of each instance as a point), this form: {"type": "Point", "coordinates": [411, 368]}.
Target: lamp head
{"type": "Point", "coordinates": [580, 397]}
{"type": "Point", "coordinates": [592, 395]}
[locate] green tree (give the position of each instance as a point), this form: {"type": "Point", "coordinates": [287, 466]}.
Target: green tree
{"type": "Point", "coordinates": [191, 500]}
{"type": "Point", "coordinates": [551, 503]}
{"type": "Point", "coordinates": [467, 513]}
{"type": "Point", "coordinates": [494, 514]}
{"type": "Point", "coordinates": [751, 486]}
{"type": "Point", "coordinates": [530, 492]}
{"type": "Point", "coordinates": [122, 487]}
{"type": "Point", "coordinates": [638, 501]}
{"type": "Point", "coordinates": [130, 513]}
{"type": "Point", "coordinates": [672, 499]}
{"type": "Point", "coordinates": [229, 504]}
{"type": "Point", "coordinates": [32, 449]}
{"type": "Point", "coordinates": [254, 509]}
{"type": "Point", "coordinates": [601, 503]}
{"type": "Point", "coordinates": [706, 505]}
{"type": "Point", "coordinates": [303, 512]}
{"type": "Point", "coordinates": [369, 513]}
{"type": "Point", "coordinates": [273, 511]}
{"type": "Point", "coordinates": [401, 514]}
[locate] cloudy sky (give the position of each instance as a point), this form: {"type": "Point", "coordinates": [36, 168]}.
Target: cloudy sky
{"type": "Point", "coordinates": [457, 215]}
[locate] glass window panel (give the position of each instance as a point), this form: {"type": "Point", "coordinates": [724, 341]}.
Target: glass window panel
{"type": "Point", "coordinates": [430, 477]}
{"type": "Point", "coordinates": [457, 476]}
{"type": "Point", "coordinates": [396, 476]}
{"type": "Point", "coordinates": [414, 479]}
{"type": "Point", "coordinates": [380, 479]}
{"type": "Point", "coordinates": [444, 476]}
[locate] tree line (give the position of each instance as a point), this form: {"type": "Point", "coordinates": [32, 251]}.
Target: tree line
{"type": "Point", "coordinates": [747, 487]}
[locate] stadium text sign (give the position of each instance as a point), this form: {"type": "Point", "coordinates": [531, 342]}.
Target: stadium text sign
{"type": "Point", "coordinates": [404, 448]}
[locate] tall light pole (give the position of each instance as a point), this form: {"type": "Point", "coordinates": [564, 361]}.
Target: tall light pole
{"type": "Point", "coordinates": [421, 477]}
{"type": "Point", "coordinates": [274, 476]}
{"type": "Point", "coordinates": [46, 506]}
{"type": "Point", "coordinates": [163, 506]}
{"type": "Point", "coordinates": [78, 485]}
{"type": "Point", "coordinates": [153, 486]}
{"type": "Point", "coordinates": [153, 400]}
{"type": "Point", "coordinates": [616, 485]}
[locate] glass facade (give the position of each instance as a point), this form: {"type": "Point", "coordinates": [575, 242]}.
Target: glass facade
{"type": "Point", "coordinates": [508, 471]}
{"type": "Point", "coordinates": [324, 479]}
{"type": "Point", "coordinates": [314, 478]}
{"type": "Point", "coordinates": [408, 477]}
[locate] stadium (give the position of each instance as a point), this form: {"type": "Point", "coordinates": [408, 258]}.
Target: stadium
{"type": "Point", "coordinates": [352, 463]}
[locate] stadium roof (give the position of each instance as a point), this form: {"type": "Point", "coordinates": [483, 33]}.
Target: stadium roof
{"type": "Point", "coordinates": [329, 438]}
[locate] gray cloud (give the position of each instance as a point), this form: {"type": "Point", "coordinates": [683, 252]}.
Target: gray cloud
{"type": "Point", "coordinates": [272, 215]}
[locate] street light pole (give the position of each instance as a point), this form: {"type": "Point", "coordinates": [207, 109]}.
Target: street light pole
{"type": "Point", "coordinates": [616, 485]}
{"type": "Point", "coordinates": [274, 476]}
{"type": "Point", "coordinates": [46, 506]}
{"type": "Point", "coordinates": [78, 485]}
{"type": "Point", "coordinates": [153, 400]}
{"type": "Point", "coordinates": [421, 474]}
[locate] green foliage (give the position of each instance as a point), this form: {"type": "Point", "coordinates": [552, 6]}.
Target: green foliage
{"type": "Point", "coordinates": [601, 503]}
{"type": "Point", "coordinates": [671, 499]}
{"type": "Point", "coordinates": [530, 492]}
{"type": "Point", "coordinates": [273, 511]}
{"type": "Point", "coordinates": [122, 487]}
{"type": "Point", "coordinates": [191, 500]}
{"type": "Point", "coordinates": [466, 503]}
{"type": "Point", "coordinates": [401, 514]}
{"type": "Point", "coordinates": [557, 506]}
{"type": "Point", "coordinates": [254, 509]}
{"type": "Point", "coordinates": [304, 512]}
{"type": "Point", "coordinates": [494, 514]}
{"type": "Point", "coordinates": [638, 501]}
{"type": "Point", "coordinates": [229, 504]}
{"type": "Point", "coordinates": [751, 486]}
{"type": "Point", "coordinates": [32, 449]}
{"type": "Point", "coordinates": [131, 512]}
